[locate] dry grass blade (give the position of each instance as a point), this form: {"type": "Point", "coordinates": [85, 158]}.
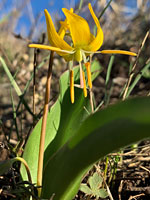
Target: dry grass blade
{"type": "Point", "coordinates": [134, 66]}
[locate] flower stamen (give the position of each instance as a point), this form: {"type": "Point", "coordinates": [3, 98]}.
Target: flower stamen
{"type": "Point", "coordinates": [81, 76]}
{"type": "Point", "coordinates": [87, 65]}
{"type": "Point", "coordinates": [72, 86]}
{"type": "Point", "coordinates": [84, 84]}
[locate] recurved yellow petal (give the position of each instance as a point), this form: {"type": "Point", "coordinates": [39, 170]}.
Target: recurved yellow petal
{"type": "Point", "coordinates": [97, 42]}
{"type": "Point", "coordinates": [118, 52]}
{"type": "Point", "coordinates": [79, 29]}
{"type": "Point", "coordinates": [41, 46]}
{"type": "Point", "coordinates": [54, 38]}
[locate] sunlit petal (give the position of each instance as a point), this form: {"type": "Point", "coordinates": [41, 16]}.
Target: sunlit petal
{"type": "Point", "coordinates": [54, 38]}
{"type": "Point", "coordinates": [111, 52]}
{"type": "Point", "coordinates": [79, 29]}
{"type": "Point", "coordinates": [98, 40]}
{"type": "Point", "coordinates": [41, 46]}
{"type": "Point", "coordinates": [118, 52]}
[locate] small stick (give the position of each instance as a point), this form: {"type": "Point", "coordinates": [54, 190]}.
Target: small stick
{"type": "Point", "coordinates": [34, 78]}
{"type": "Point", "coordinates": [44, 121]}
{"type": "Point", "coordinates": [91, 92]}
{"type": "Point", "coordinates": [120, 189]}
{"type": "Point", "coordinates": [136, 196]}
{"type": "Point", "coordinates": [91, 100]}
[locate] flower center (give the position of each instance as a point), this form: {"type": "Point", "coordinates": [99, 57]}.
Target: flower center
{"type": "Point", "coordinates": [78, 55]}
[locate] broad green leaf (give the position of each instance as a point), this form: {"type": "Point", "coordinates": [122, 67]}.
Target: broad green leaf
{"type": "Point", "coordinates": [101, 133]}
{"type": "Point", "coordinates": [84, 188]}
{"type": "Point", "coordinates": [32, 147]}
{"type": "Point", "coordinates": [63, 120]}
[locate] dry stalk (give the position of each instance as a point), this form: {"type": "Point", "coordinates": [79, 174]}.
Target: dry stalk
{"type": "Point", "coordinates": [134, 66]}
{"type": "Point", "coordinates": [43, 128]}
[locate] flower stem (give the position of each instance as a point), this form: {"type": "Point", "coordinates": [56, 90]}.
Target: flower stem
{"type": "Point", "coordinates": [43, 128]}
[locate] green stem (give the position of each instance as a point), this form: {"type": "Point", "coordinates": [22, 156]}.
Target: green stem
{"type": "Point", "coordinates": [106, 168]}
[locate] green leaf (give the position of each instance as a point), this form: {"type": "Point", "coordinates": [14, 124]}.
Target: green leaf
{"type": "Point", "coordinates": [32, 147]}
{"type": "Point", "coordinates": [102, 193]}
{"type": "Point", "coordinates": [63, 120]}
{"type": "Point", "coordinates": [71, 117]}
{"type": "Point", "coordinates": [84, 188]}
{"type": "Point", "coordinates": [95, 181]}
{"type": "Point", "coordinates": [101, 133]}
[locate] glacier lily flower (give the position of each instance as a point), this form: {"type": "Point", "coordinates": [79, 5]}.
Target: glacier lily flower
{"type": "Point", "coordinates": [84, 42]}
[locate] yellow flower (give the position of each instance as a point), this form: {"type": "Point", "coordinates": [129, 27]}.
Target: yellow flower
{"type": "Point", "coordinates": [84, 42]}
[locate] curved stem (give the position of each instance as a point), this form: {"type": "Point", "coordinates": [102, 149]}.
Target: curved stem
{"type": "Point", "coordinates": [26, 166]}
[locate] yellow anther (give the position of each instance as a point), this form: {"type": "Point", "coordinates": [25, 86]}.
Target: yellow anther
{"type": "Point", "coordinates": [84, 85]}
{"type": "Point", "coordinates": [71, 86]}
{"type": "Point", "coordinates": [87, 65]}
